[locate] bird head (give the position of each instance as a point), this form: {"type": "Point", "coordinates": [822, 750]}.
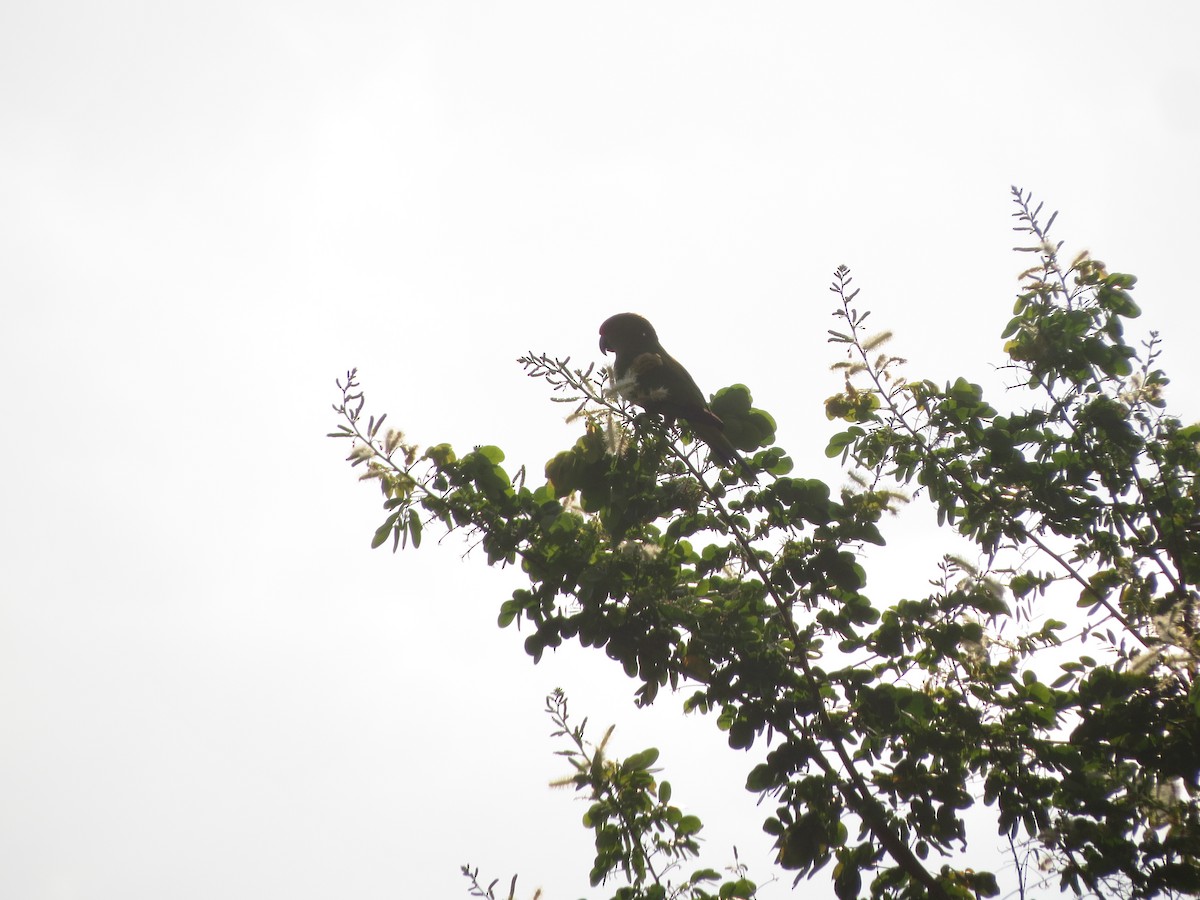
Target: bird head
{"type": "Point", "coordinates": [626, 331]}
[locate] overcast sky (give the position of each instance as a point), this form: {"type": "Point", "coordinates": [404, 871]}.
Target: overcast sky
{"type": "Point", "coordinates": [209, 685]}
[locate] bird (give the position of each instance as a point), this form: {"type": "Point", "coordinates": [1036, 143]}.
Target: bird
{"type": "Point", "coordinates": [646, 375]}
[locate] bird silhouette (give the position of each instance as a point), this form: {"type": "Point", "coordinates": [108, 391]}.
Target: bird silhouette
{"type": "Point", "coordinates": [646, 375]}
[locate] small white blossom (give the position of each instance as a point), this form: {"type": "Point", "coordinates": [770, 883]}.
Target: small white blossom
{"type": "Point", "coordinates": [615, 438]}
{"type": "Point", "coordinates": [361, 453]}
{"type": "Point", "coordinates": [392, 440]}
{"type": "Point", "coordinates": [625, 387]}
{"type": "Point", "coordinates": [639, 549]}
{"type": "Point", "coordinates": [1138, 390]}
{"type": "Point", "coordinates": [1143, 661]}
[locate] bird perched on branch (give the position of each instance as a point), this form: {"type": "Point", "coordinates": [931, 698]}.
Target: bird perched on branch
{"type": "Point", "coordinates": [645, 374]}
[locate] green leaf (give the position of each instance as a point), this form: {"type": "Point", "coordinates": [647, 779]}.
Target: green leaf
{"type": "Point", "coordinates": [384, 531]}
{"type": "Point", "coordinates": [782, 466]}
{"type": "Point", "coordinates": [494, 455]}
{"type": "Point", "coordinates": [762, 777]}
{"type": "Point", "coordinates": [689, 825]}
{"type": "Point", "coordinates": [839, 442]}
{"type": "Point", "coordinates": [741, 735]}
{"type": "Point", "coordinates": [442, 455]}
{"type": "Point", "coordinates": [639, 762]}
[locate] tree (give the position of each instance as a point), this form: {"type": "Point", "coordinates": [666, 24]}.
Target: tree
{"type": "Point", "coordinates": [885, 718]}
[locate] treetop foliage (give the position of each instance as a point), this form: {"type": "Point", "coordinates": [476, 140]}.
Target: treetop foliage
{"type": "Point", "coordinates": [1051, 678]}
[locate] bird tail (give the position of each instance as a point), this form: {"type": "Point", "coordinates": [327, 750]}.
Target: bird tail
{"type": "Point", "coordinates": [712, 432]}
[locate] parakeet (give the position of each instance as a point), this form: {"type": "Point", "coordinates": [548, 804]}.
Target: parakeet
{"type": "Point", "coordinates": [645, 374]}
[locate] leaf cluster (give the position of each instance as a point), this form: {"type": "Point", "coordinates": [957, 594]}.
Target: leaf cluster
{"type": "Point", "coordinates": [883, 718]}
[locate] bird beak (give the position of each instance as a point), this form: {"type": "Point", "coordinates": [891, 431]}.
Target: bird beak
{"type": "Point", "coordinates": [604, 348]}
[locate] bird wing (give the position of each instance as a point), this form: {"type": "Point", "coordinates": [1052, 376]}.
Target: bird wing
{"type": "Point", "coordinates": [638, 378]}
{"type": "Point", "coordinates": [659, 384]}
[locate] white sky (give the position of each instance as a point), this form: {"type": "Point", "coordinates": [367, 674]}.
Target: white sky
{"type": "Point", "coordinates": [209, 686]}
